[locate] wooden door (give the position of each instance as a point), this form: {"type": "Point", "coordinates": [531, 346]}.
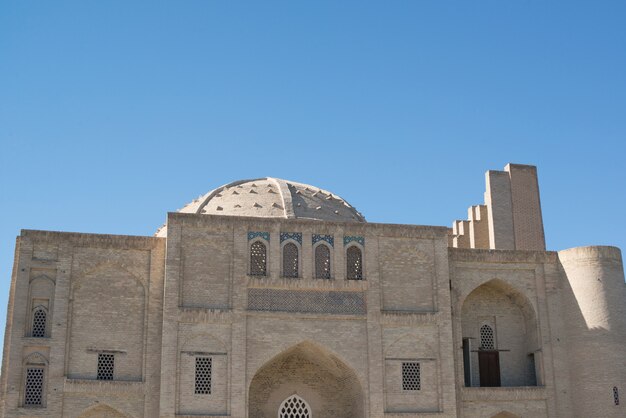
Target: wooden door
{"type": "Point", "coordinates": [489, 368]}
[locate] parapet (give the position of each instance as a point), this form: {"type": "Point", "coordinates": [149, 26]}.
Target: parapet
{"type": "Point", "coordinates": [510, 218]}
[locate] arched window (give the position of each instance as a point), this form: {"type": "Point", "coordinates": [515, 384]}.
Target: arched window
{"type": "Point", "coordinates": [486, 338]}
{"type": "Point", "coordinates": [322, 262]}
{"type": "Point", "coordinates": [258, 259]}
{"type": "Point", "coordinates": [39, 322]}
{"type": "Point", "coordinates": [294, 407]}
{"type": "Point", "coordinates": [354, 261]}
{"type": "Point", "coordinates": [290, 260]}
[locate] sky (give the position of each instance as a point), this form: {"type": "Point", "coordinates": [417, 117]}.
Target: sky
{"type": "Point", "coordinates": [114, 113]}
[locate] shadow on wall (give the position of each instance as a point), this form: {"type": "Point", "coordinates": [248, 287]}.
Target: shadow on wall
{"type": "Point", "coordinates": [500, 344]}
{"type": "Point", "coordinates": [311, 373]}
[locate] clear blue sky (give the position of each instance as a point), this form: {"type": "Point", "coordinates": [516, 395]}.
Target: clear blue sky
{"type": "Point", "coordinates": [114, 112]}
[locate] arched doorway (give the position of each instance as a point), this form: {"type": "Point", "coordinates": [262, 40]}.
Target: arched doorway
{"type": "Point", "coordinates": [294, 407]}
{"type": "Point", "coordinates": [306, 374]}
{"type": "Point", "coordinates": [500, 342]}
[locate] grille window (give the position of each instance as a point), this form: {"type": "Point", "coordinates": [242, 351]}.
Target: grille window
{"type": "Point", "coordinates": [203, 375]}
{"type": "Point", "coordinates": [615, 395]}
{"type": "Point", "coordinates": [322, 262]}
{"type": "Point", "coordinates": [39, 323]}
{"type": "Point", "coordinates": [106, 366]}
{"type": "Point", "coordinates": [290, 260]}
{"type": "Point", "coordinates": [294, 407]}
{"type": "Point", "coordinates": [411, 376]}
{"type": "Point", "coordinates": [354, 263]}
{"type": "Point", "coordinates": [258, 259]}
{"type": "Point", "coordinates": [486, 338]}
{"type": "Point", "coordinates": [33, 392]}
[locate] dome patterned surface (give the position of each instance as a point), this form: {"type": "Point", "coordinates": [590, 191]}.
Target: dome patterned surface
{"type": "Point", "coordinates": [273, 198]}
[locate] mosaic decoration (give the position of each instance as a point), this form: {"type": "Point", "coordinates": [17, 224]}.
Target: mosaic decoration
{"type": "Point", "coordinates": [306, 301]}
{"type": "Point", "coordinates": [264, 235]}
{"type": "Point", "coordinates": [348, 239]}
{"type": "Point", "coordinates": [328, 238]}
{"type": "Point", "coordinates": [296, 236]}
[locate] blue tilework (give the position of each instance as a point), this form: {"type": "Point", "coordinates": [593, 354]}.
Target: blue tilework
{"type": "Point", "coordinates": [296, 236]}
{"type": "Point", "coordinates": [264, 235]}
{"type": "Point", "coordinates": [328, 238]}
{"type": "Point", "coordinates": [348, 239]}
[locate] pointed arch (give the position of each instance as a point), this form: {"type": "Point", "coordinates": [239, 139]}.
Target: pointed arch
{"type": "Point", "coordinates": [354, 262]}
{"type": "Point", "coordinates": [258, 257]}
{"type": "Point", "coordinates": [311, 372]}
{"type": "Point", "coordinates": [102, 411]}
{"type": "Point", "coordinates": [294, 407]}
{"type": "Point", "coordinates": [322, 265]}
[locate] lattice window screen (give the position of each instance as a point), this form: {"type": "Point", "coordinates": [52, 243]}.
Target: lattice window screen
{"type": "Point", "coordinates": [486, 338]}
{"type": "Point", "coordinates": [204, 367]}
{"type": "Point", "coordinates": [294, 407]}
{"type": "Point", "coordinates": [411, 379]}
{"type": "Point", "coordinates": [258, 259]}
{"type": "Point", "coordinates": [106, 366]}
{"type": "Point", "coordinates": [33, 392]}
{"type": "Point", "coordinates": [322, 262]}
{"type": "Point", "coordinates": [290, 260]}
{"type": "Point", "coordinates": [615, 395]}
{"type": "Point", "coordinates": [39, 323]}
{"type": "Point", "coordinates": [354, 263]}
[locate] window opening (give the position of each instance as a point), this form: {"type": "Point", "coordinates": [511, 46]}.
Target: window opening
{"type": "Point", "coordinates": [39, 323]}
{"type": "Point", "coordinates": [294, 407]}
{"type": "Point", "coordinates": [33, 392]}
{"type": "Point", "coordinates": [322, 262]}
{"type": "Point", "coordinates": [204, 367]}
{"type": "Point", "coordinates": [615, 395]}
{"type": "Point", "coordinates": [290, 260]}
{"type": "Point", "coordinates": [355, 263]}
{"type": "Point", "coordinates": [106, 366]}
{"type": "Point", "coordinates": [411, 376]}
{"type": "Point", "coordinates": [486, 338]}
{"type": "Point", "coordinates": [258, 259]}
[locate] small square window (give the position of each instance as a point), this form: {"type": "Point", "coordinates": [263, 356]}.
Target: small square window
{"type": "Point", "coordinates": [411, 376]}
{"type": "Point", "coordinates": [106, 366]}
{"type": "Point", "coordinates": [204, 367]}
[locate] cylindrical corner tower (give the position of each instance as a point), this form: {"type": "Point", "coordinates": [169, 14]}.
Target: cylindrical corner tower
{"type": "Point", "coordinates": [594, 303]}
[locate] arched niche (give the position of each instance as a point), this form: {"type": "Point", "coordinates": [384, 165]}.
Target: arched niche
{"type": "Point", "coordinates": [102, 411]}
{"type": "Point", "coordinates": [514, 353]}
{"type": "Point", "coordinates": [314, 374]}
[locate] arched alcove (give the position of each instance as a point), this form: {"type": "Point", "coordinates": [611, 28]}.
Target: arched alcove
{"type": "Point", "coordinates": [499, 337]}
{"type": "Point", "coordinates": [101, 411]}
{"type": "Point", "coordinates": [327, 385]}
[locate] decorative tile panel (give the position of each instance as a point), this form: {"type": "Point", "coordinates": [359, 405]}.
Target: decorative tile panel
{"type": "Point", "coordinates": [264, 235]}
{"type": "Point", "coordinates": [296, 236]}
{"type": "Point", "coordinates": [306, 301]}
{"type": "Point", "coordinates": [328, 238]}
{"type": "Point", "coordinates": [348, 239]}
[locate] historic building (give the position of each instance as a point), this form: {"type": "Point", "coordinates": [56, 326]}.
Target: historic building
{"type": "Point", "coordinates": [270, 298]}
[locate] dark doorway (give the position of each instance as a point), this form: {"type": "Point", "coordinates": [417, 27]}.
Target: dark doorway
{"type": "Point", "coordinates": [489, 368]}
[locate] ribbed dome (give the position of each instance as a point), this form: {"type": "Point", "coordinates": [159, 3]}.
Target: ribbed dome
{"type": "Point", "coordinates": [272, 198]}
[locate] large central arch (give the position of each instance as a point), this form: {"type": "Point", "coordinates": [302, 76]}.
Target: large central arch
{"type": "Point", "coordinates": [322, 380]}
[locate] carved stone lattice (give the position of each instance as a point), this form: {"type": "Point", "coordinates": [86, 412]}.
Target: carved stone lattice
{"type": "Point", "coordinates": [258, 259]}
{"type": "Point", "coordinates": [290, 260]}
{"type": "Point", "coordinates": [39, 323]}
{"type": "Point", "coordinates": [411, 379]}
{"type": "Point", "coordinates": [354, 261]}
{"type": "Point", "coordinates": [203, 375]}
{"type": "Point", "coordinates": [33, 393]}
{"type": "Point", "coordinates": [322, 262]}
{"type": "Point", "coordinates": [294, 407]}
{"type": "Point", "coordinates": [486, 338]}
{"type": "Point", "coordinates": [106, 366]}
